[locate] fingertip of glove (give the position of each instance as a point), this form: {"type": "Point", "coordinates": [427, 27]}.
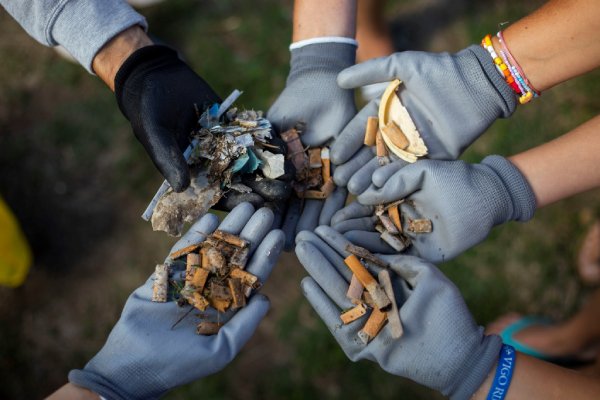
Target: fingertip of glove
{"type": "Point", "coordinates": [179, 179]}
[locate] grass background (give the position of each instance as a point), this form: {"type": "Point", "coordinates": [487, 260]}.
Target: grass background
{"type": "Point", "coordinates": [77, 180]}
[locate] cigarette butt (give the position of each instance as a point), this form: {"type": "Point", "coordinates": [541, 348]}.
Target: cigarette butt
{"type": "Point", "coordinates": [371, 131]}
{"type": "Point", "coordinates": [218, 291]}
{"type": "Point", "coordinates": [367, 280]}
{"type": "Point", "coordinates": [220, 305]}
{"type": "Point", "coordinates": [381, 149]}
{"type": "Point", "coordinates": [395, 134]}
{"type": "Point", "coordinates": [355, 290]}
{"type": "Point", "coordinates": [204, 258]}
{"type": "Point", "coordinates": [192, 264]}
{"type": "Point", "coordinates": [239, 258]}
{"type": "Point", "coordinates": [247, 290]}
{"type": "Point", "coordinates": [388, 224]}
{"type": "Point", "coordinates": [312, 194]}
{"type": "Point", "coordinates": [326, 170]}
{"type": "Point", "coordinates": [393, 241]}
{"type": "Point", "coordinates": [208, 328]}
{"type": "Point", "coordinates": [295, 150]}
{"type": "Point", "coordinates": [353, 314]}
{"type": "Point", "coordinates": [199, 278]}
{"type": "Point", "coordinates": [368, 299]}
{"type": "Point", "coordinates": [314, 158]}
{"type": "Point", "coordinates": [374, 324]}
{"type": "Point", "coordinates": [161, 283]}
{"type": "Point", "coordinates": [184, 251]}
{"type": "Point", "coordinates": [379, 210]}
{"type": "Point", "coordinates": [230, 238]}
{"type": "Point", "coordinates": [246, 277]}
{"type": "Point", "coordinates": [419, 225]}
{"type": "Point", "coordinates": [237, 293]}
{"type": "Point", "coordinates": [365, 254]}
{"type": "Point", "coordinates": [392, 314]}
{"type": "Point", "coordinates": [198, 301]}
{"type": "Point", "coordinates": [328, 187]}
{"type": "Point", "coordinates": [394, 215]}
{"type": "Point", "coordinates": [215, 260]}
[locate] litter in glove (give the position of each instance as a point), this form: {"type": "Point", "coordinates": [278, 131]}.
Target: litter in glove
{"type": "Point", "coordinates": [144, 357]}
{"type": "Point", "coordinates": [158, 93]}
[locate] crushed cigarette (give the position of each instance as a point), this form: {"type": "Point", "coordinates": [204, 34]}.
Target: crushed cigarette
{"type": "Point", "coordinates": [366, 279]}
{"type": "Point", "coordinates": [353, 314]}
{"type": "Point", "coordinates": [376, 321]}
{"type": "Point", "coordinates": [355, 290]}
{"type": "Point", "coordinates": [161, 283]}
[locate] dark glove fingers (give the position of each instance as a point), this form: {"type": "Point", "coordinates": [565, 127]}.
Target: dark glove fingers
{"type": "Point", "coordinates": [382, 174]}
{"type": "Point", "coordinates": [352, 137]}
{"type": "Point", "coordinates": [352, 211]}
{"type": "Point", "coordinates": [361, 180]}
{"type": "Point", "coordinates": [265, 257]}
{"type": "Point", "coordinates": [344, 172]}
{"type": "Point", "coordinates": [197, 232]}
{"type": "Point", "coordinates": [369, 240]}
{"type": "Point", "coordinates": [292, 215]}
{"type": "Point", "coordinates": [357, 224]}
{"type": "Point", "coordinates": [383, 69]}
{"type": "Point", "coordinates": [310, 215]}
{"type": "Point", "coordinates": [237, 219]}
{"type": "Point", "coordinates": [330, 254]}
{"type": "Point", "coordinates": [257, 228]}
{"type": "Point", "coordinates": [332, 205]}
{"type": "Point", "coordinates": [324, 275]}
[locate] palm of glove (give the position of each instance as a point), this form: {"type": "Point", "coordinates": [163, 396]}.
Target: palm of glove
{"type": "Point", "coordinates": [160, 95]}
{"type": "Point", "coordinates": [441, 345]}
{"type": "Point", "coordinates": [145, 356]}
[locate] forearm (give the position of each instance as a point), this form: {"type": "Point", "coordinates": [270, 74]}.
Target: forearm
{"type": "Point", "coordinates": [557, 42]}
{"type": "Point", "coordinates": [536, 379]}
{"type": "Point", "coordinates": [565, 166]}
{"type": "Point", "coordinates": [318, 18]}
{"type": "Point", "coordinates": [110, 58]}
{"type": "Point", "coordinates": [73, 392]}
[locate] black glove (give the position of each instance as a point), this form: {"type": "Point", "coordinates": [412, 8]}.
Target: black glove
{"type": "Point", "coordinates": [159, 93]}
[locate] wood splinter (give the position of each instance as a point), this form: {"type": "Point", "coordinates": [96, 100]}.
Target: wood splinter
{"type": "Point", "coordinates": [365, 254]}
{"type": "Point", "coordinates": [353, 314]}
{"type": "Point", "coordinates": [367, 280]}
{"type": "Point", "coordinates": [392, 314]}
{"type": "Point", "coordinates": [161, 283]}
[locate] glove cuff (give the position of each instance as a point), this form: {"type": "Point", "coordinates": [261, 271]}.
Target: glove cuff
{"type": "Point", "coordinates": [96, 384]}
{"type": "Point", "coordinates": [319, 58]}
{"type": "Point", "coordinates": [505, 92]}
{"type": "Point", "coordinates": [520, 192]}
{"type": "Point", "coordinates": [478, 367]}
{"type": "Point", "coordinates": [136, 64]}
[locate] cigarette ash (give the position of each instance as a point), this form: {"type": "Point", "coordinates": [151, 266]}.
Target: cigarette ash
{"type": "Point", "coordinates": [215, 278]}
{"type": "Point", "coordinates": [233, 157]}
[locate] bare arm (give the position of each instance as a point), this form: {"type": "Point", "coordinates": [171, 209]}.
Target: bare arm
{"type": "Point", "coordinates": [556, 42]}
{"type": "Point", "coordinates": [108, 60]}
{"type": "Point", "coordinates": [73, 392]}
{"type": "Point", "coordinates": [318, 18]}
{"type": "Point", "coordinates": [536, 379]}
{"type": "Point", "coordinates": [565, 166]}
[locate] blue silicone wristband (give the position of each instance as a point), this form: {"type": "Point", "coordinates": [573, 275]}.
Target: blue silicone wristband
{"type": "Point", "coordinates": [504, 372]}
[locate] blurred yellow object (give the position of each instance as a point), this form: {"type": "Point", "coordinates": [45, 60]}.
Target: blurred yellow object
{"type": "Point", "coordinates": [15, 254]}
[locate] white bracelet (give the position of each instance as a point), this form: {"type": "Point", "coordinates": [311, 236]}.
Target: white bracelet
{"type": "Point", "coordinates": [324, 39]}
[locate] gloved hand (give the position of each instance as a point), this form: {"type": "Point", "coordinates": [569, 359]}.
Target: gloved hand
{"type": "Point", "coordinates": [312, 95]}
{"type": "Point", "coordinates": [452, 99]}
{"type": "Point", "coordinates": [157, 93]}
{"type": "Point", "coordinates": [144, 357]}
{"type": "Point", "coordinates": [463, 201]}
{"type": "Point", "coordinates": [442, 347]}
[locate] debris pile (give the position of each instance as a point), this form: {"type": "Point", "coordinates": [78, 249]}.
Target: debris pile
{"type": "Point", "coordinates": [215, 277]}
{"type": "Point", "coordinates": [367, 292]}
{"type": "Point", "coordinates": [389, 225]}
{"type": "Point", "coordinates": [394, 130]}
{"type": "Point", "coordinates": [313, 168]}
{"type": "Point", "coordinates": [233, 157]}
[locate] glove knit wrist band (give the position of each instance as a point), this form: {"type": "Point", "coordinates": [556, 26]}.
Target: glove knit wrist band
{"type": "Point", "coordinates": [154, 54]}
{"type": "Point", "coordinates": [323, 39]}
{"type": "Point", "coordinates": [504, 372]}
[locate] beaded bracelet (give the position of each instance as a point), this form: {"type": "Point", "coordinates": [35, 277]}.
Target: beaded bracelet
{"type": "Point", "coordinates": [501, 66]}
{"type": "Point", "coordinates": [515, 63]}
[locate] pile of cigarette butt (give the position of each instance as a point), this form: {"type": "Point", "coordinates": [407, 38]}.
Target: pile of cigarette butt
{"type": "Point", "coordinates": [215, 277]}
{"type": "Point", "coordinates": [394, 130]}
{"type": "Point", "coordinates": [367, 292]}
{"type": "Point", "coordinates": [390, 225]}
{"type": "Point", "coordinates": [313, 168]}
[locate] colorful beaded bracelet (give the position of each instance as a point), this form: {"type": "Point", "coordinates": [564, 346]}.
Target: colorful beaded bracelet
{"type": "Point", "coordinates": [501, 66]}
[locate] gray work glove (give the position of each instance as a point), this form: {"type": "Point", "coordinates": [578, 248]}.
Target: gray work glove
{"type": "Point", "coordinates": [312, 95]}
{"type": "Point", "coordinates": [463, 201]}
{"type": "Point", "coordinates": [144, 357]}
{"type": "Point", "coordinates": [442, 347]}
{"type": "Point", "coordinates": [452, 98]}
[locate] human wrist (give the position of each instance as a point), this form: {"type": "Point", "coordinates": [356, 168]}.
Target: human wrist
{"type": "Point", "coordinates": [71, 391]}
{"type": "Point", "coordinates": [522, 204]}
{"type": "Point", "coordinates": [111, 57]}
